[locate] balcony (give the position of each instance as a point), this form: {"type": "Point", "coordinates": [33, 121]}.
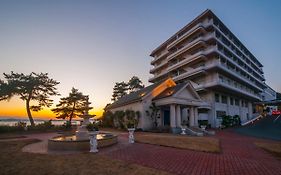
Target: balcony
{"type": "Point", "coordinates": [199, 26]}
{"type": "Point", "coordinates": [230, 50]}
{"type": "Point", "coordinates": [235, 46]}
{"type": "Point", "coordinates": [155, 77]}
{"type": "Point", "coordinates": [189, 59]}
{"type": "Point", "coordinates": [200, 40]}
{"type": "Point", "coordinates": [240, 67]}
{"type": "Point", "coordinates": [157, 67]}
{"type": "Point", "coordinates": [223, 84]}
{"type": "Point", "coordinates": [160, 56]}
{"type": "Point", "coordinates": [235, 74]}
{"type": "Point", "coordinates": [190, 73]}
{"type": "Point", "coordinates": [236, 89]}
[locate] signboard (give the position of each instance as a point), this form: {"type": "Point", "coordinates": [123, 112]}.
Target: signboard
{"type": "Point", "coordinates": [276, 112]}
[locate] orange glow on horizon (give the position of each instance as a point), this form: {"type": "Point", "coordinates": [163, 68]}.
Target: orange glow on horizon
{"type": "Point", "coordinates": [16, 108]}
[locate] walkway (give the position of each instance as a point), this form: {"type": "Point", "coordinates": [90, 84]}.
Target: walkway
{"type": "Point", "coordinates": [239, 156]}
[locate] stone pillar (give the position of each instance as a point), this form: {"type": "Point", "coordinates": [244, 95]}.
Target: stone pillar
{"type": "Point", "coordinates": [195, 116]}
{"type": "Point", "coordinates": [178, 111]}
{"type": "Point", "coordinates": [172, 116]}
{"type": "Point", "coordinates": [191, 116]}
{"type": "Point", "coordinates": [240, 111]}
{"type": "Point", "coordinates": [228, 105]}
{"type": "Point", "coordinates": [250, 108]}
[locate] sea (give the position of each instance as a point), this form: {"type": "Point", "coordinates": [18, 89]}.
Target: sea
{"type": "Point", "coordinates": [14, 121]}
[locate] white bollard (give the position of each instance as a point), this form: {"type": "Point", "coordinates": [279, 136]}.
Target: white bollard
{"type": "Point", "coordinates": [93, 142]}
{"type": "Point", "coordinates": [131, 135]}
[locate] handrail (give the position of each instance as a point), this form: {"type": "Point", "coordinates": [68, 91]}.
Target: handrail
{"type": "Point", "coordinates": [243, 124]}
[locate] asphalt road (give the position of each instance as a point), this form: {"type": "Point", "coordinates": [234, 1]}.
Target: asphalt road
{"type": "Point", "coordinates": [268, 127]}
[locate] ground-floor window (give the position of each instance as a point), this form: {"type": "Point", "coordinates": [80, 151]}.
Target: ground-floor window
{"type": "Point", "coordinates": [236, 102]}
{"type": "Point", "coordinates": [217, 98]}
{"type": "Point", "coordinates": [220, 114]}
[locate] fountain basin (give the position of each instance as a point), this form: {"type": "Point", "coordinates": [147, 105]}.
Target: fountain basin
{"type": "Point", "coordinates": [72, 143]}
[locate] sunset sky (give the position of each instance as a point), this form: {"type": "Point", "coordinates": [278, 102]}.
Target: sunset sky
{"type": "Point", "coordinates": [90, 45]}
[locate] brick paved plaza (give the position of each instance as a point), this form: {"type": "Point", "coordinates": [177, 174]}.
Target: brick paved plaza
{"type": "Point", "coordinates": [239, 156]}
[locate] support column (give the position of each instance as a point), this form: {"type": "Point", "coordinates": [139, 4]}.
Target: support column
{"type": "Point", "coordinates": [191, 116]}
{"type": "Point", "coordinates": [250, 108]}
{"type": "Point", "coordinates": [172, 116]}
{"type": "Point", "coordinates": [178, 111]}
{"type": "Point", "coordinates": [195, 116]}
{"type": "Point", "coordinates": [228, 105]}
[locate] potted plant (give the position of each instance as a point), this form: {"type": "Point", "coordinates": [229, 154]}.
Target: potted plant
{"type": "Point", "coordinates": [203, 124]}
{"type": "Point", "coordinates": [92, 127]}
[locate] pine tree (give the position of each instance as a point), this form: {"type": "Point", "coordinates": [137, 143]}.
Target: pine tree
{"type": "Point", "coordinates": [31, 87]}
{"type": "Point", "coordinates": [119, 90]}
{"type": "Point", "coordinates": [72, 105]}
{"type": "Point", "coordinates": [135, 84]}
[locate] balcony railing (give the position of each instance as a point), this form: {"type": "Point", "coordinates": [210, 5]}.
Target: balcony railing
{"type": "Point", "coordinates": [199, 40]}
{"type": "Point", "coordinates": [156, 67]}
{"type": "Point", "coordinates": [194, 29]}
{"type": "Point", "coordinates": [239, 57]}
{"type": "Point", "coordinates": [191, 58]}
{"type": "Point", "coordinates": [234, 73]}
{"type": "Point", "coordinates": [159, 57]}
{"type": "Point", "coordinates": [237, 65]}
{"type": "Point", "coordinates": [235, 45]}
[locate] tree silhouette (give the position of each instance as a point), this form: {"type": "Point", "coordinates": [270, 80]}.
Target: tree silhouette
{"type": "Point", "coordinates": [72, 105]}
{"type": "Point", "coordinates": [31, 87]}
{"type": "Point", "coordinates": [119, 90]}
{"type": "Point", "coordinates": [135, 84]}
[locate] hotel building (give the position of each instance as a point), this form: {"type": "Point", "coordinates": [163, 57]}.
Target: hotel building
{"type": "Point", "coordinates": [226, 77]}
{"type": "Point", "coordinates": [222, 70]}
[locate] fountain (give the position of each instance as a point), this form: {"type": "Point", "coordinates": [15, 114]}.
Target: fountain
{"type": "Point", "coordinates": [81, 140]}
{"type": "Point", "coordinates": [82, 133]}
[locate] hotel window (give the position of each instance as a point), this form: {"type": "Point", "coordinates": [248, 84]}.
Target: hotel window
{"type": "Point", "coordinates": [246, 104]}
{"type": "Point", "coordinates": [231, 101]}
{"type": "Point", "coordinates": [224, 99]}
{"type": "Point", "coordinates": [236, 102]}
{"type": "Point", "coordinates": [220, 114]}
{"type": "Point", "coordinates": [221, 79]}
{"type": "Point", "coordinates": [217, 98]}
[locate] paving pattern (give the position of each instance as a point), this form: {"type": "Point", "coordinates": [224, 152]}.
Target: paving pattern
{"type": "Point", "coordinates": [239, 156]}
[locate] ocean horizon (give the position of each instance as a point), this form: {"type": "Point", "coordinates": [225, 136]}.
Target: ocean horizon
{"type": "Point", "coordinates": [13, 120]}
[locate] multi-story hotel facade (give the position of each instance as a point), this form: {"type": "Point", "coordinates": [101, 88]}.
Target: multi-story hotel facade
{"type": "Point", "coordinates": [202, 72]}
{"type": "Point", "coordinates": [222, 70]}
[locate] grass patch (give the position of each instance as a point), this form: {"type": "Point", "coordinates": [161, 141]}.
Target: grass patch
{"type": "Point", "coordinates": [272, 148]}
{"type": "Point", "coordinates": [14, 161]}
{"type": "Point", "coordinates": [205, 144]}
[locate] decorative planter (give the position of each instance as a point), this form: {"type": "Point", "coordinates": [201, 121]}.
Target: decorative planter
{"type": "Point", "coordinates": [183, 131]}
{"type": "Point", "coordinates": [203, 127]}
{"type": "Point", "coordinates": [93, 141]}
{"type": "Point", "coordinates": [131, 135]}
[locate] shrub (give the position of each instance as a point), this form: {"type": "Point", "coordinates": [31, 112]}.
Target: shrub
{"type": "Point", "coordinates": [46, 125]}
{"type": "Point", "coordinates": [228, 121]}
{"type": "Point", "coordinates": [20, 126]}
{"type": "Point", "coordinates": [203, 122]}
{"type": "Point", "coordinates": [236, 120]}
{"type": "Point", "coordinates": [92, 127]}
